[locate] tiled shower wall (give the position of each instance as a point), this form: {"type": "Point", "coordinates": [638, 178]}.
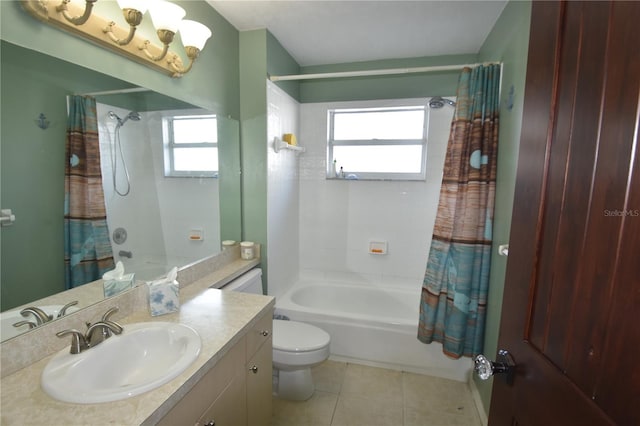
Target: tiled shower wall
{"type": "Point", "coordinates": [338, 218]}
{"type": "Point", "coordinates": [159, 212]}
{"type": "Point", "coordinates": [283, 192]}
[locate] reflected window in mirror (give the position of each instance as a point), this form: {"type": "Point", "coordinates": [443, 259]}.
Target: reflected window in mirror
{"type": "Point", "coordinates": [191, 146]}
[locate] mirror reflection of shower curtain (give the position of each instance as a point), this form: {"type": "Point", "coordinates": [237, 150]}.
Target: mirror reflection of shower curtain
{"type": "Point", "coordinates": [88, 252]}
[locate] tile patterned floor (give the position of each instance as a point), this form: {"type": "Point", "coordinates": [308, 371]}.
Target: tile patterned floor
{"type": "Point", "coordinates": [356, 395]}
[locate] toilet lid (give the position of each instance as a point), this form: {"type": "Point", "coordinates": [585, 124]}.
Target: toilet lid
{"type": "Point", "coordinates": [294, 336]}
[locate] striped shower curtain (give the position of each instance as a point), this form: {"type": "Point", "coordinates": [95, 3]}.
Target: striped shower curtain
{"type": "Point", "coordinates": [87, 248]}
{"type": "Point", "coordinates": [454, 291]}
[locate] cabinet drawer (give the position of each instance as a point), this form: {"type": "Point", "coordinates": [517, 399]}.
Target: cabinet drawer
{"type": "Point", "coordinates": [190, 408]}
{"type": "Point", "coordinates": [259, 333]}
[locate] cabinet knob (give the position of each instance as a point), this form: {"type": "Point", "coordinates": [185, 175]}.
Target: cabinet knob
{"type": "Point", "coordinates": [210, 423]}
{"type": "Point", "coordinates": [265, 333]}
{"type": "Point", "coordinates": [254, 369]}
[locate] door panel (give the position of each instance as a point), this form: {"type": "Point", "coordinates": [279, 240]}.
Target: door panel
{"type": "Point", "coordinates": [572, 291]}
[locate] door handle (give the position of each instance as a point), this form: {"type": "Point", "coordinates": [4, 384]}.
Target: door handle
{"type": "Point", "coordinates": [504, 364]}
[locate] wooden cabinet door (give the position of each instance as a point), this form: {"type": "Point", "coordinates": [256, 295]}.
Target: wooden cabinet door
{"type": "Point", "coordinates": [572, 293]}
{"type": "Point", "coordinates": [230, 409]}
{"type": "Point", "coordinates": [259, 386]}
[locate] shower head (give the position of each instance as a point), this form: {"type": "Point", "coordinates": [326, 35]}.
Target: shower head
{"type": "Point", "coordinates": [133, 115]}
{"type": "Point", "coordinates": [439, 101]}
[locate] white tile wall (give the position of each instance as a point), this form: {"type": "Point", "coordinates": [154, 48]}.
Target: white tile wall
{"type": "Point", "coordinates": [339, 218]}
{"type": "Point", "coordinates": [283, 192]}
{"type": "Point", "coordinates": [159, 212]}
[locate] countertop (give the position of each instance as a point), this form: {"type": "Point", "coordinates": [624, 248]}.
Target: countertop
{"type": "Point", "coordinates": [220, 317]}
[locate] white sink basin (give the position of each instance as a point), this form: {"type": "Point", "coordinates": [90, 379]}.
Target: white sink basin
{"type": "Point", "coordinates": [145, 356]}
{"type": "Point", "coordinates": [7, 319]}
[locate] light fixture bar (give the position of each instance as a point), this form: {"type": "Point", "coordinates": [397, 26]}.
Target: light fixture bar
{"type": "Point", "coordinates": [93, 30]}
{"type": "Point", "coordinates": [78, 19]}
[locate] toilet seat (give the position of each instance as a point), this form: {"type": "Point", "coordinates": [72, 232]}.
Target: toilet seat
{"type": "Point", "coordinates": [294, 336]}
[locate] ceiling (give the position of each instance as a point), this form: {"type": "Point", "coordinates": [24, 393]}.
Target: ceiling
{"type": "Point", "coordinates": [331, 32]}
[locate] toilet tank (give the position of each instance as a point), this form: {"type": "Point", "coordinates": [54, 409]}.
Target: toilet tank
{"type": "Point", "coordinates": [249, 282]}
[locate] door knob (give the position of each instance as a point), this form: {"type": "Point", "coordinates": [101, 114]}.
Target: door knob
{"type": "Point", "coordinates": [504, 365]}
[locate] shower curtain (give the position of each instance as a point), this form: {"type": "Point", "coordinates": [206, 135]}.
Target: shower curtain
{"type": "Point", "coordinates": [454, 291]}
{"type": "Point", "coordinates": [87, 248]}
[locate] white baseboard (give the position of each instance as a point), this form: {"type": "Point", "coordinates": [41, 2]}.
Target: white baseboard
{"type": "Point", "coordinates": [478, 401]}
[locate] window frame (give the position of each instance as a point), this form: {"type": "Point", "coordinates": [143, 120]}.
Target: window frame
{"type": "Point", "coordinates": [381, 106]}
{"type": "Point", "coordinates": [170, 145]}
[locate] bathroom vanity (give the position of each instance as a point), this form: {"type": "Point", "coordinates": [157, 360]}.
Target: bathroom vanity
{"type": "Point", "coordinates": [229, 383]}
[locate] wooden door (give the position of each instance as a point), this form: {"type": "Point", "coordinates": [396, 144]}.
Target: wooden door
{"type": "Point", "coordinates": [571, 310]}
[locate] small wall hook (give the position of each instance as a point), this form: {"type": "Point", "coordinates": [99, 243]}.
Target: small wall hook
{"type": "Point", "coordinates": [42, 121]}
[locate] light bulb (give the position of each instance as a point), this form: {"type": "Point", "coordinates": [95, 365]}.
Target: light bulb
{"type": "Point", "coordinates": [166, 16]}
{"type": "Point", "coordinates": [193, 34]}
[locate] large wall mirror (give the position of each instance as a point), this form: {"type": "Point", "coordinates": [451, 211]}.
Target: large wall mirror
{"type": "Point", "coordinates": [155, 221]}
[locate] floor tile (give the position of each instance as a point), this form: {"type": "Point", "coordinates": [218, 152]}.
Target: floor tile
{"type": "Point", "coordinates": [356, 395]}
{"type": "Point", "coordinates": [316, 411]}
{"type": "Point", "coordinates": [356, 411]}
{"type": "Point", "coordinates": [328, 376]}
{"type": "Point", "coordinates": [418, 417]}
{"type": "Point", "coordinates": [437, 394]}
{"type": "Point", "coordinates": [373, 383]}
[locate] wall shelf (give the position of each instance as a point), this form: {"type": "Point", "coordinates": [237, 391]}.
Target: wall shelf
{"type": "Point", "coordinates": [279, 145]}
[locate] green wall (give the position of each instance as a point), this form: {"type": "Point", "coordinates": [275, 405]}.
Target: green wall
{"type": "Point", "coordinates": [253, 131]}
{"type": "Point", "coordinates": [33, 183]}
{"type": "Point", "coordinates": [383, 87]}
{"type": "Point", "coordinates": [508, 42]}
{"type": "Point", "coordinates": [33, 80]}
{"type": "Point", "coordinates": [213, 83]}
{"type": "Point", "coordinates": [280, 62]}
{"type": "Point", "coordinates": [260, 55]}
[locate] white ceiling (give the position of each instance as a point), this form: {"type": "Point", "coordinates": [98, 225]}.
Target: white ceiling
{"type": "Point", "coordinates": [330, 32]}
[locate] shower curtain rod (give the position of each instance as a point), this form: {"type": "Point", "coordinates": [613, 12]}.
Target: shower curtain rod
{"type": "Point", "coordinates": [116, 92]}
{"type": "Point", "coordinates": [389, 71]}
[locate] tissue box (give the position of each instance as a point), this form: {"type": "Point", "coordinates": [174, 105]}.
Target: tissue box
{"type": "Point", "coordinates": [116, 286]}
{"type": "Point", "coordinates": [164, 298]}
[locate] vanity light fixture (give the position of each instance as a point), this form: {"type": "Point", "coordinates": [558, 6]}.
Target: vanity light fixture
{"type": "Point", "coordinates": [194, 35]}
{"type": "Point", "coordinates": [77, 20]}
{"type": "Point", "coordinates": [165, 16]}
{"type": "Point", "coordinates": [132, 11]}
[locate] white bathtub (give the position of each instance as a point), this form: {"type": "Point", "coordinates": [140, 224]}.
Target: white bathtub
{"type": "Point", "coordinates": [370, 324]}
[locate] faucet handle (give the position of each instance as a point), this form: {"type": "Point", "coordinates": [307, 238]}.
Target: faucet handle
{"type": "Point", "coordinates": [78, 341]}
{"type": "Point", "coordinates": [63, 311]}
{"type": "Point", "coordinates": [107, 330]}
{"type": "Point", "coordinates": [41, 316]}
{"type": "Point", "coordinates": [31, 324]}
{"type": "Point", "coordinates": [110, 312]}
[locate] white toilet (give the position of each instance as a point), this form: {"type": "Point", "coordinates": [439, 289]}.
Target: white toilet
{"type": "Point", "coordinates": [296, 346]}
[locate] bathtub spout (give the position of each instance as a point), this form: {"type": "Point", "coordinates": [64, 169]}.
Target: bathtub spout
{"type": "Point", "coordinates": [124, 253]}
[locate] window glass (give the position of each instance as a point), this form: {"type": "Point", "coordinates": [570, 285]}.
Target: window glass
{"type": "Point", "coordinates": [191, 146]}
{"type": "Point", "coordinates": [377, 143]}
{"type": "Point", "coordinates": [400, 124]}
{"type": "Point", "coordinates": [380, 158]}
{"type": "Point", "coordinates": [195, 130]}
{"type": "Point", "coordinates": [190, 159]}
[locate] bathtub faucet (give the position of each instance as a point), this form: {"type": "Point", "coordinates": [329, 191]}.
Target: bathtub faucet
{"type": "Point", "coordinates": [124, 253]}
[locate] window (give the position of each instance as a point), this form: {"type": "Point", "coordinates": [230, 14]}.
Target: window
{"type": "Point", "coordinates": [191, 145]}
{"type": "Point", "coordinates": [386, 143]}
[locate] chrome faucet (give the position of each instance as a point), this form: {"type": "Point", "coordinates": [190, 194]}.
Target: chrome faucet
{"type": "Point", "coordinates": [41, 316]}
{"type": "Point", "coordinates": [81, 342]}
{"type": "Point", "coordinates": [125, 253]}
{"type": "Point", "coordinates": [106, 327]}
{"type": "Point", "coordinates": [63, 311]}
{"type": "Point", "coordinates": [78, 341]}
{"type": "Point", "coordinates": [31, 324]}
